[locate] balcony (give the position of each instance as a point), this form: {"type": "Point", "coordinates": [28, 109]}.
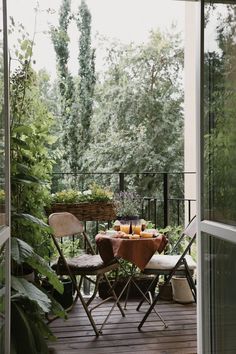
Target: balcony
{"type": "Point", "coordinates": [163, 205]}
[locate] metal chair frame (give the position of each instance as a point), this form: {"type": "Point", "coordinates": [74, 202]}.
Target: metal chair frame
{"type": "Point", "coordinates": [181, 268]}
{"type": "Point", "coordinates": [66, 224]}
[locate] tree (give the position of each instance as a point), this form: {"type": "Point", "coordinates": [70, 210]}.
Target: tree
{"type": "Point", "coordinates": [76, 112]}
{"type": "Point", "coordinates": [140, 126]}
{"type": "Point", "coordinates": [61, 41]}
{"type": "Point", "coordinates": [86, 76]}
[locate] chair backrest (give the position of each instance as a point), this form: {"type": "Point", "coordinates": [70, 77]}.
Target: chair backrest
{"type": "Point", "coordinates": [191, 228]}
{"type": "Point", "coordinates": [65, 224]}
{"type": "Point", "coordinates": [190, 231]}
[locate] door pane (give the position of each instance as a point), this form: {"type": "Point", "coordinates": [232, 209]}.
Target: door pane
{"type": "Point", "coordinates": [219, 294]}
{"type": "Point", "coordinates": [2, 299]}
{"type": "Point", "coordinates": [220, 112]}
{"type": "Point", "coordinates": [2, 140]}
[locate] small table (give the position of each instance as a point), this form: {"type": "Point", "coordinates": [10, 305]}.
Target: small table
{"type": "Point", "coordinates": [137, 251]}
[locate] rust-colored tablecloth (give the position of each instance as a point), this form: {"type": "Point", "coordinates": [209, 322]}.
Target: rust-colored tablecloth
{"type": "Point", "coordinates": [138, 251]}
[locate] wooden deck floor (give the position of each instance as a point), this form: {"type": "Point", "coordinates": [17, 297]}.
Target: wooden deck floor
{"type": "Point", "coordinates": [120, 335]}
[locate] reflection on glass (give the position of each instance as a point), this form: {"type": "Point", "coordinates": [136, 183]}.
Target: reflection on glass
{"type": "Point", "coordinates": [220, 113]}
{"type": "Point", "coordinates": [2, 298]}
{"type": "Point", "coordinates": [2, 142]}
{"type": "Point", "coordinates": [219, 288]}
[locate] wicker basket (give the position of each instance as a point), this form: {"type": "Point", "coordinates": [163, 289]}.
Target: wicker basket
{"type": "Point", "coordinates": [91, 211]}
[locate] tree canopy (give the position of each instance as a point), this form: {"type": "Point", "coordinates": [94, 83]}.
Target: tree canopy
{"type": "Point", "coordinates": [137, 123]}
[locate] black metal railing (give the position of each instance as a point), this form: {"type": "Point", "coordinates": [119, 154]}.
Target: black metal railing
{"type": "Point", "coordinates": [163, 195]}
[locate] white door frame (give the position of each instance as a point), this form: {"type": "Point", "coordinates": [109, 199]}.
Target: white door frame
{"type": "Point", "coordinates": [218, 230]}
{"type": "Point", "coordinates": [5, 230]}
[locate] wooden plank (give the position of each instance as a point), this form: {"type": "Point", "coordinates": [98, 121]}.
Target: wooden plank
{"type": "Point", "coordinates": [121, 335]}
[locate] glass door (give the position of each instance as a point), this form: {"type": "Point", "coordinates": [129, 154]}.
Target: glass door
{"type": "Point", "coordinates": [217, 178]}
{"type": "Point", "coordinates": [4, 188]}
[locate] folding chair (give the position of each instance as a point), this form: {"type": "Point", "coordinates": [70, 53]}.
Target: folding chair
{"type": "Point", "coordinates": [66, 224]}
{"type": "Point", "coordinates": [169, 265]}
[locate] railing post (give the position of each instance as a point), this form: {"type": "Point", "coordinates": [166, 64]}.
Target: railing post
{"type": "Point", "coordinates": [121, 182]}
{"type": "Point", "coordinates": [165, 198]}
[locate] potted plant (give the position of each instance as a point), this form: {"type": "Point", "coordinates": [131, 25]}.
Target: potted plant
{"type": "Point", "coordinates": [95, 203]}
{"type": "Point", "coordinates": [128, 209]}
{"type": "Point", "coordinates": [30, 302]}
{"type": "Point", "coordinates": [119, 278]}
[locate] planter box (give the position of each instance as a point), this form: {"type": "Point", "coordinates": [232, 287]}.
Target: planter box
{"type": "Point", "coordinates": [66, 298]}
{"type": "Point", "coordinates": [92, 211]}
{"type": "Point", "coordinates": [142, 282]}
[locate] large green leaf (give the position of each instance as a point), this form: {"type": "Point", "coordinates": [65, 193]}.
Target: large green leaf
{"type": "Point", "coordinates": [30, 291]}
{"type": "Point", "coordinates": [56, 308]}
{"type": "Point", "coordinates": [20, 143]}
{"type": "Point", "coordinates": [25, 178]}
{"type": "Point", "coordinates": [22, 168]}
{"type": "Point", "coordinates": [21, 252]}
{"type": "Point", "coordinates": [31, 218]}
{"type": "Point", "coordinates": [2, 299]}
{"type": "Point", "coordinates": [28, 330]}
{"type": "Point", "coordinates": [23, 129]}
{"type": "Point", "coordinates": [43, 268]}
{"type": "Point", "coordinates": [22, 340]}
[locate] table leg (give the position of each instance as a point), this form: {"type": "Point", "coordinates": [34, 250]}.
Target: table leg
{"type": "Point", "coordinates": [115, 303]}
{"type": "Point", "coordinates": [132, 280]}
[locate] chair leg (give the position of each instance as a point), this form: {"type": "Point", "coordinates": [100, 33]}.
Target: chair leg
{"type": "Point", "coordinates": [98, 278]}
{"type": "Point", "coordinates": [152, 307]}
{"type": "Point", "coordinates": [115, 303]}
{"type": "Point", "coordinates": [114, 295]}
{"type": "Point", "coordinates": [91, 320]}
{"type": "Point", "coordinates": [146, 292]}
{"type": "Point", "coordinates": [190, 281]}
{"type": "Point", "coordinates": [127, 295]}
{"type": "Point", "coordinates": [83, 302]}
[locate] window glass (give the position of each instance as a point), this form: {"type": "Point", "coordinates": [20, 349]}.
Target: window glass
{"type": "Point", "coordinates": [220, 113]}
{"type": "Point", "coordinates": [2, 298]}
{"type": "Point", "coordinates": [2, 142]}
{"type": "Point", "coordinates": [219, 289]}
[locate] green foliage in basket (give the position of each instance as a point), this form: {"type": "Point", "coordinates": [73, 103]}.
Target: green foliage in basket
{"type": "Point", "coordinates": [96, 193]}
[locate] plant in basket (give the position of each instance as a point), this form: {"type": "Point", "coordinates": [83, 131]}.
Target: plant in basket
{"type": "Point", "coordinates": [96, 203]}
{"type": "Point", "coordinates": [95, 193]}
